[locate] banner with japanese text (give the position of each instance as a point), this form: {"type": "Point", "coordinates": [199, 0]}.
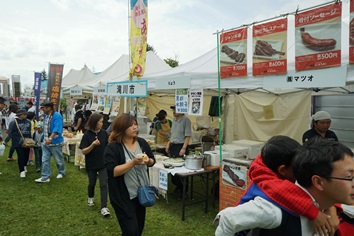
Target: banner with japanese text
{"type": "Point", "coordinates": [233, 53]}
{"type": "Point", "coordinates": [318, 37]}
{"type": "Point", "coordinates": [37, 91]}
{"type": "Point", "coordinates": [270, 47]}
{"type": "Point", "coordinates": [351, 32]}
{"type": "Point", "coordinates": [196, 102]}
{"type": "Point", "coordinates": [54, 84]}
{"type": "Point", "coordinates": [138, 37]}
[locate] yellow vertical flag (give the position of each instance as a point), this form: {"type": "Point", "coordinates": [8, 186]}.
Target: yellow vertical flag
{"type": "Point", "coordinates": [138, 37]}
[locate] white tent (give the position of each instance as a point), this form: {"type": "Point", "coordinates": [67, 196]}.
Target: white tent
{"type": "Point", "coordinates": [77, 78]}
{"type": "Point", "coordinates": [119, 70]}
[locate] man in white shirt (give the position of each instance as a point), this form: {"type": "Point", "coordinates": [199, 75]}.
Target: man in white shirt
{"type": "Point", "coordinates": [324, 169]}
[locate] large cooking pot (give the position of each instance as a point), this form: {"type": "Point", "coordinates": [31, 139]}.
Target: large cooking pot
{"type": "Point", "coordinates": [194, 162]}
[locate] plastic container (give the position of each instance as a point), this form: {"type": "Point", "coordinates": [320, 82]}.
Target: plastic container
{"type": "Point", "coordinates": [2, 149]}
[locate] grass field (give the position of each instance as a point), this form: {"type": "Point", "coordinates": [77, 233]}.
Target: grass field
{"type": "Point", "coordinates": [60, 207]}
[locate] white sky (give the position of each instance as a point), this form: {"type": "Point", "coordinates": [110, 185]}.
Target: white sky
{"type": "Point", "coordinates": [95, 32]}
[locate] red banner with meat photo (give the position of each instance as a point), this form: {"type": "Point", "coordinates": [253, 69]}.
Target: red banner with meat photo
{"type": "Point", "coordinates": [351, 33]}
{"type": "Point", "coordinates": [233, 53]}
{"type": "Point", "coordinates": [318, 37]}
{"type": "Point", "coordinates": [269, 48]}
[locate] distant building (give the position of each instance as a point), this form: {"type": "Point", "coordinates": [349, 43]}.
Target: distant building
{"type": "Point", "coordinates": [4, 86]}
{"type": "Point", "coordinates": [16, 85]}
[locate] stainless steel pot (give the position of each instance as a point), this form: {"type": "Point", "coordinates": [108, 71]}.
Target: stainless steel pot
{"type": "Point", "coordinates": [194, 162]}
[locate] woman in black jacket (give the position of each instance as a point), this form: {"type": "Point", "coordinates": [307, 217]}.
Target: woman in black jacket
{"type": "Point", "coordinates": [127, 158]}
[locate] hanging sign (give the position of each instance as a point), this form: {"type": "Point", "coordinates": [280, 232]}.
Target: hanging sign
{"type": "Point", "coordinates": [128, 89]}
{"type": "Point", "coordinates": [196, 102]}
{"type": "Point", "coordinates": [270, 47]}
{"type": "Point", "coordinates": [351, 33]}
{"type": "Point", "coordinates": [173, 83]}
{"type": "Point", "coordinates": [233, 53]}
{"type": "Point", "coordinates": [318, 37]}
{"type": "Point", "coordinates": [76, 91]}
{"type": "Point", "coordinates": [181, 101]}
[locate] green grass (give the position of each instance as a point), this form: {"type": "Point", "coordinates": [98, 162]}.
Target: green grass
{"type": "Point", "coordinates": [60, 207]}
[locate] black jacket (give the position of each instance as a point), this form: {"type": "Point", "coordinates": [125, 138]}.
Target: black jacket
{"type": "Point", "coordinates": [118, 192]}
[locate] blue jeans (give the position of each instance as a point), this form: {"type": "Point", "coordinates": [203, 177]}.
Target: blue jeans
{"type": "Point", "coordinates": [56, 152]}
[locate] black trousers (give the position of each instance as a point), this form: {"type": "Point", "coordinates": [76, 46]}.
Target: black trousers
{"type": "Point", "coordinates": [174, 152]}
{"type": "Point", "coordinates": [134, 226]}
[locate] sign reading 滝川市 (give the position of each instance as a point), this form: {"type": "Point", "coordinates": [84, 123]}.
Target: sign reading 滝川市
{"type": "Point", "coordinates": [128, 89]}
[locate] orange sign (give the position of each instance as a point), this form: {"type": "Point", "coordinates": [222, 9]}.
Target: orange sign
{"type": "Point", "coordinates": [270, 47]}
{"type": "Point", "coordinates": [351, 33]}
{"type": "Point", "coordinates": [318, 37]}
{"type": "Point", "coordinates": [233, 53]}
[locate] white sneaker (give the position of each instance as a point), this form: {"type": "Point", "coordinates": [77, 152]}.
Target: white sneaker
{"type": "Point", "coordinates": [105, 211]}
{"type": "Point", "coordinates": [90, 201]}
{"type": "Point", "coordinates": [60, 176]}
{"type": "Point", "coordinates": [23, 174]}
{"type": "Point", "coordinates": [25, 168]}
{"type": "Point", "coordinates": [40, 180]}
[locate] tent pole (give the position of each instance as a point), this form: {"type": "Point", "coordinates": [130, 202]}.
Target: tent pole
{"type": "Point", "coordinates": [219, 98]}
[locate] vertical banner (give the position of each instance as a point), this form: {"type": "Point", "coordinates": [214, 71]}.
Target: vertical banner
{"type": "Point", "coordinates": [233, 53]}
{"type": "Point", "coordinates": [269, 48]}
{"type": "Point", "coordinates": [181, 101]}
{"type": "Point", "coordinates": [196, 102]}
{"type": "Point", "coordinates": [54, 84]}
{"type": "Point", "coordinates": [351, 33]}
{"type": "Point", "coordinates": [138, 36]}
{"type": "Point", "coordinates": [318, 37]}
{"type": "Point", "coordinates": [37, 91]}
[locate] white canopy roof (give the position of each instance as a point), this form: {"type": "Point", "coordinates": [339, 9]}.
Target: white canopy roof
{"type": "Point", "coordinates": [119, 70]}
{"type": "Point", "coordinates": [77, 77]}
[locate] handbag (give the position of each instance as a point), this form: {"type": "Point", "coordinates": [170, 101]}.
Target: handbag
{"type": "Point", "coordinates": [147, 195]}
{"type": "Point", "coordinates": [26, 142]}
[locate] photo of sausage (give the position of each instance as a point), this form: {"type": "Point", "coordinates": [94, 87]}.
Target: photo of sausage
{"type": "Point", "coordinates": [233, 53]}
{"type": "Point", "coordinates": [234, 175]}
{"type": "Point", "coordinates": [316, 43]}
{"type": "Point", "coordinates": [351, 32]}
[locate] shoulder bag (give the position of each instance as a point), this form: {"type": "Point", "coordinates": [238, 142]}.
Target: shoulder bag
{"type": "Point", "coordinates": [26, 142]}
{"type": "Point", "coordinates": [147, 195]}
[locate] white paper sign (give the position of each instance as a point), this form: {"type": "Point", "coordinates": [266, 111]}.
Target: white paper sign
{"type": "Point", "coordinates": [163, 179]}
{"type": "Point", "coordinates": [330, 77]}
{"type": "Point", "coordinates": [196, 102]}
{"type": "Point", "coordinates": [76, 91]}
{"type": "Point", "coordinates": [100, 90]}
{"type": "Point", "coordinates": [128, 89]}
{"type": "Point", "coordinates": [181, 101]}
{"type": "Point", "coordinates": [173, 83]}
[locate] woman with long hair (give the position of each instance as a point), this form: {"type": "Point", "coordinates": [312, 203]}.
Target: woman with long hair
{"type": "Point", "coordinates": [127, 159]}
{"type": "Point", "coordinates": [92, 145]}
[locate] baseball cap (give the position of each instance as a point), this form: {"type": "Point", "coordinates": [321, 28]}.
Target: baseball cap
{"type": "Point", "coordinates": [21, 112]}
{"type": "Point", "coordinates": [30, 103]}
{"type": "Point", "coordinates": [173, 107]}
{"type": "Point", "coordinates": [47, 104]}
{"type": "Point", "coordinates": [321, 115]}
{"type": "Point", "coordinates": [40, 125]}
{"type": "Point", "coordinates": [2, 100]}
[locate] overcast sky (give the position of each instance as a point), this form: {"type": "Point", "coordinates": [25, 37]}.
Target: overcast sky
{"type": "Point", "coordinates": [95, 32]}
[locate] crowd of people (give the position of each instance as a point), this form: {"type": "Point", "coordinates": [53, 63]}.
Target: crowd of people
{"type": "Point", "coordinates": [307, 188]}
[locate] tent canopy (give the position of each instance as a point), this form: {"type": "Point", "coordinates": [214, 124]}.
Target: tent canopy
{"type": "Point", "coordinates": [77, 77]}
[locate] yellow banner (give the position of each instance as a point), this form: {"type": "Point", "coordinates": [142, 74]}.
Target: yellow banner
{"type": "Point", "coordinates": [138, 37]}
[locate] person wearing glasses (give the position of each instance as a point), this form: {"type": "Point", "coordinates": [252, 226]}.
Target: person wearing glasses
{"type": "Point", "coordinates": [321, 121]}
{"type": "Point", "coordinates": [93, 144]}
{"type": "Point", "coordinates": [323, 169]}
{"type": "Point", "coordinates": [127, 169]}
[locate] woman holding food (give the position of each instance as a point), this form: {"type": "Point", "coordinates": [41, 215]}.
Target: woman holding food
{"type": "Point", "coordinates": [93, 144]}
{"type": "Point", "coordinates": [127, 158]}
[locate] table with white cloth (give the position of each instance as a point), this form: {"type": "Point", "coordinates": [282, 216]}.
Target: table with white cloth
{"type": "Point", "coordinates": [79, 157]}
{"type": "Point", "coordinates": [159, 178]}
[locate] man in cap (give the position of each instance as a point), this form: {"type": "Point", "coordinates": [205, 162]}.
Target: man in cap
{"type": "Point", "coordinates": [52, 142]}
{"type": "Point", "coordinates": [2, 105]}
{"type": "Point", "coordinates": [321, 121]}
{"type": "Point", "coordinates": [181, 133]}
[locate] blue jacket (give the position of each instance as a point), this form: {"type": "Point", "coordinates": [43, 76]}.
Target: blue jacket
{"type": "Point", "coordinates": [56, 126]}
{"type": "Point", "coordinates": [14, 134]}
